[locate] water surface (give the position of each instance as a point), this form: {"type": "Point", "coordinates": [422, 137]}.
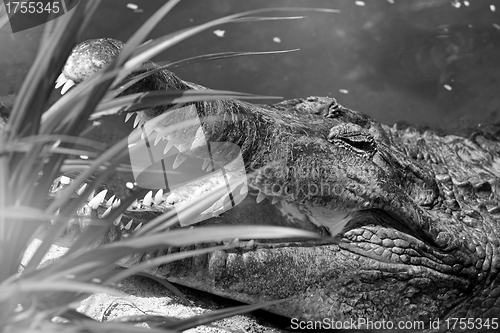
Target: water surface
{"type": "Point", "coordinates": [432, 62]}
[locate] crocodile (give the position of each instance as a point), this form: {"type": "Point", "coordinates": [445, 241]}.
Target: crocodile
{"type": "Point", "coordinates": [409, 219]}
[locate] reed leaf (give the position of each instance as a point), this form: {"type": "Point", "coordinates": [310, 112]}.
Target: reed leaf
{"type": "Point", "coordinates": [141, 101]}
{"type": "Point", "coordinates": [192, 60]}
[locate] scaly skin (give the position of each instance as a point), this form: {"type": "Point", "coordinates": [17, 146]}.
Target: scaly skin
{"type": "Point", "coordinates": [410, 219]}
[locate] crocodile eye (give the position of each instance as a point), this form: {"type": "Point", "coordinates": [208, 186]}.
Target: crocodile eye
{"type": "Point", "coordinates": [354, 138]}
{"type": "Point", "coordinates": [359, 143]}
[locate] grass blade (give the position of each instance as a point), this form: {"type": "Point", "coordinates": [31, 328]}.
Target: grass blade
{"type": "Point", "coordinates": [141, 101]}
{"type": "Point", "coordinates": [186, 61]}
{"type": "Point", "coordinates": [168, 285]}
{"type": "Point", "coordinates": [110, 253]}
{"type": "Point", "coordinates": [212, 316]}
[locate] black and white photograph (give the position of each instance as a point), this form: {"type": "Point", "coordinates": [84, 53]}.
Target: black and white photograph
{"type": "Point", "coordinates": [251, 166]}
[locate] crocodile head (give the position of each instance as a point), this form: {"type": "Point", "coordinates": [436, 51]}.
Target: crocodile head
{"type": "Point", "coordinates": [393, 247]}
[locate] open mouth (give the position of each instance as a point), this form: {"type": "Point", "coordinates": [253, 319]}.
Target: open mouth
{"type": "Point", "coordinates": [202, 173]}
{"type": "Point", "coordinates": [240, 202]}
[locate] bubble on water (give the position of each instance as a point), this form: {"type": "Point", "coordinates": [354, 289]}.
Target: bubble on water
{"type": "Point", "coordinates": [447, 87]}
{"type": "Point", "coordinates": [219, 32]}
{"type": "Point", "coordinates": [360, 3]}
{"type": "Point", "coordinates": [277, 40]}
{"type": "Point", "coordinates": [134, 7]}
{"type": "Point", "coordinates": [493, 8]}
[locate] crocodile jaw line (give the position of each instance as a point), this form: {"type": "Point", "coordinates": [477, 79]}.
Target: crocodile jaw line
{"type": "Point", "coordinates": [334, 221]}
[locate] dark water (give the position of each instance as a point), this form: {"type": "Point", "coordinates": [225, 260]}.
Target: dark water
{"type": "Point", "coordinates": [434, 62]}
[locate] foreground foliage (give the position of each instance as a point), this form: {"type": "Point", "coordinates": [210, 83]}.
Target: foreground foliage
{"type": "Point", "coordinates": [36, 144]}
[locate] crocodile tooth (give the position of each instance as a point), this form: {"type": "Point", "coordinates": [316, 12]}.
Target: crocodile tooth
{"type": "Point", "coordinates": [106, 212]}
{"type": "Point", "coordinates": [91, 195]}
{"type": "Point", "coordinates": [117, 220]}
{"type": "Point", "coordinates": [136, 121]}
{"type": "Point", "coordinates": [67, 85]}
{"type": "Point", "coordinates": [129, 115]}
{"type": "Point", "coordinates": [61, 79]}
{"type": "Point", "coordinates": [275, 200]}
{"type": "Point", "coordinates": [159, 197]}
{"type": "Point", "coordinates": [138, 227]}
{"type": "Point", "coordinates": [169, 146]}
{"type": "Point", "coordinates": [172, 199]}
{"type": "Point", "coordinates": [148, 130]}
{"type": "Point", "coordinates": [148, 199]}
{"type": "Point", "coordinates": [128, 226]}
{"type": "Point", "coordinates": [235, 241]}
{"type": "Point", "coordinates": [250, 244]}
{"type": "Point", "coordinates": [117, 203]}
{"type": "Point", "coordinates": [58, 211]}
{"type": "Point", "coordinates": [81, 189]}
{"type": "Point", "coordinates": [244, 190]}
{"type": "Point", "coordinates": [261, 196]}
{"type": "Point", "coordinates": [158, 138]}
{"type": "Point", "coordinates": [179, 160]}
{"type": "Point", "coordinates": [206, 163]}
{"type": "Point", "coordinates": [98, 199]}
{"type": "Point", "coordinates": [110, 201]}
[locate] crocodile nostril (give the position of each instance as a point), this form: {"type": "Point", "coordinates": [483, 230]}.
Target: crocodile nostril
{"type": "Point", "coordinates": [335, 111]}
